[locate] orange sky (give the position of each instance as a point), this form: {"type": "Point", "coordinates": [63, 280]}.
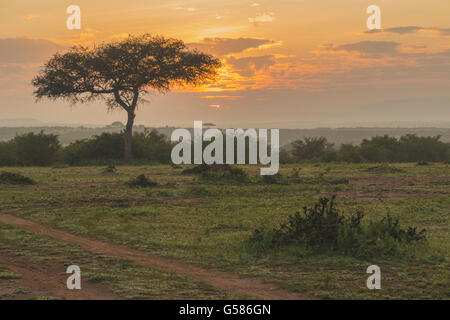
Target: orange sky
{"type": "Point", "coordinates": [287, 62]}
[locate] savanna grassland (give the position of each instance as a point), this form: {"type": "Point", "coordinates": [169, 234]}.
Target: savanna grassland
{"type": "Point", "coordinates": [207, 223]}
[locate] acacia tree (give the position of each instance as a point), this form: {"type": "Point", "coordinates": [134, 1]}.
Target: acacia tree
{"type": "Point", "coordinates": [122, 73]}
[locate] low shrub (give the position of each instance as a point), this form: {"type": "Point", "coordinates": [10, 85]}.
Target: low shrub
{"type": "Point", "coordinates": [226, 174]}
{"type": "Point", "coordinates": [384, 169]}
{"type": "Point", "coordinates": [141, 181]}
{"type": "Point", "coordinates": [323, 228]}
{"type": "Point", "coordinates": [111, 168]}
{"type": "Point", "coordinates": [274, 179]}
{"type": "Point", "coordinates": [14, 178]}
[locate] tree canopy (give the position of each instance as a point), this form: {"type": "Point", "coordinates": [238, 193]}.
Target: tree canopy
{"type": "Point", "coordinates": [122, 72]}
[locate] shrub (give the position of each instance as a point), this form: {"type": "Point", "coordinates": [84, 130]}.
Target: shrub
{"type": "Point", "coordinates": [224, 173]}
{"type": "Point", "coordinates": [350, 153]}
{"type": "Point", "coordinates": [323, 228]}
{"type": "Point", "coordinates": [36, 149]}
{"type": "Point", "coordinates": [103, 147]}
{"type": "Point", "coordinates": [8, 155]}
{"type": "Point", "coordinates": [149, 145]}
{"type": "Point", "coordinates": [14, 178]}
{"type": "Point", "coordinates": [310, 148]}
{"type": "Point", "coordinates": [111, 168]}
{"type": "Point", "coordinates": [384, 169]}
{"type": "Point", "coordinates": [286, 157]}
{"type": "Point", "coordinates": [141, 181]}
{"type": "Point", "coordinates": [274, 179]}
{"type": "Point", "coordinates": [152, 146]}
{"type": "Point", "coordinates": [197, 169]}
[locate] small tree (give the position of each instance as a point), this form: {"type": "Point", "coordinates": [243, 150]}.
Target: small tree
{"type": "Point", "coordinates": [122, 72]}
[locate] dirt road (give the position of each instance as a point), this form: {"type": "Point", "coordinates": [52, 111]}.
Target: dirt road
{"type": "Point", "coordinates": [223, 281]}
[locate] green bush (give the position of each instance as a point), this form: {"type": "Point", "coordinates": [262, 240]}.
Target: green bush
{"type": "Point", "coordinates": [141, 181]}
{"type": "Point", "coordinates": [149, 146]}
{"type": "Point", "coordinates": [223, 173]}
{"type": "Point", "coordinates": [274, 179]}
{"type": "Point", "coordinates": [350, 153]}
{"type": "Point", "coordinates": [8, 154]}
{"type": "Point", "coordinates": [14, 178]}
{"type": "Point", "coordinates": [36, 149]}
{"type": "Point", "coordinates": [384, 169]}
{"type": "Point", "coordinates": [310, 148]}
{"type": "Point", "coordinates": [323, 228]}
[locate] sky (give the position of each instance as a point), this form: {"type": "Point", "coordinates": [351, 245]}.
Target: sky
{"type": "Point", "coordinates": [286, 63]}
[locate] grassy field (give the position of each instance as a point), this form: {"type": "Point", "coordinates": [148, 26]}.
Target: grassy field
{"type": "Point", "coordinates": [207, 223]}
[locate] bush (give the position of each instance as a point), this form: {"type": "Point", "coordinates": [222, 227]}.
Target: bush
{"type": "Point", "coordinates": [8, 155]}
{"type": "Point", "coordinates": [226, 173]}
{"type": "Point", "coordinates": [310, 148]}
{"type": "Point", "coordinates": [149, 146]}
{"type": "Point", "coordinates": [350, 153]}
{"type": "Point", "coordinates": [322, 228]}
{"type": "Point", "coordinates": [100, 148]}
{"type": "Point", "coordinates": [111, 168]}
{"type": "Point", "coordinates": [381, 149]}
{"type": "Point", "coordinates": [36, 149]}
{"type": "Point", "coordinates": [14, 178]}
{"type": "Point", "coordinates": [286, 157]}
{"type": "Point", "coordinates": [384, 169]}
{"type": "Point", "coordinates": [152, 146]}
{"type": "Point", "coordinates": [141, 181]}
{"type": "Point", "coordinates": [274, 179]}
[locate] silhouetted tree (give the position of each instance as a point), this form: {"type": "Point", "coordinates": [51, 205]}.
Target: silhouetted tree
{"type": "Point", "coordinates": [122, 72]}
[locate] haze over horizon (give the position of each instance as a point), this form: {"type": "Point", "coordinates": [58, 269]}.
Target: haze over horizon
{"type": "Point", "coordinates": [285, 62]}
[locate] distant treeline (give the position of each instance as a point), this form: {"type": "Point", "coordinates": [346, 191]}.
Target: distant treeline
{"type": "Point", "coordinates": [40, 149]}
{"type": "Point", "coordinates": [408, 148]}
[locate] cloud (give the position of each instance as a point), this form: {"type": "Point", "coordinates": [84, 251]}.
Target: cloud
{"type": "Point", "coordinates": [31, 16]}
{"type": "Point", "coordinates": [250, 65]}
{"type": "Point", "coordinates": [444, 32]}
{"type": "Point", "coordinates": [225, 97]}
{"type": "Point", "coordinates": [399, 30]}
{"type": "Point", "coordinates": [370, 48]}
{"type": "Point", "coordinates": [22, 50]}
{"type": "Point", "coordinates": [262, 18]}
{"type": "Point", "coordinates": [226, 46]}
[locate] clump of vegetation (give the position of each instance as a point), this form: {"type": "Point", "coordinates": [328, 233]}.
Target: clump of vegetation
{"type": "Point", "coordinates": [384, 169]}
{"type": "Point", "coordinates": [141, 181]}
{"type": "Point", "coordinates": [202, 168]}
{"type": "Point", "coordinates": [422, 163]}
{"type": "Point", "coordinates": [15, 178]}
{"type": "Point", "coordinates": [218, 172]}
{"type": "Point", "coordinates": [111, 168]}
{"type": "Point", "coordinates": [226, 173]}
{"type": "Point", "coordinates": [274, 179]}
{"type": "Point", "coordinates": [196, 170]}
{"type": "Point", "coordinates": [323, 228]}
{"type": "Point", "coordinates": [295, 178]}
{"type": "Point", "coordinates": [335, 181]}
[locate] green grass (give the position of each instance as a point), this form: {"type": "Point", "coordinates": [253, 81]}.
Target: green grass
{"type": "Point", "coordinates": [207, 223]}
{"type": "Point", "coordinates": [129, 280]}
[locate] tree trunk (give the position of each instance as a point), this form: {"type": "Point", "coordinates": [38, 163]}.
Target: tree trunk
{"type": "Point", "coordinates": [128, 151]}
